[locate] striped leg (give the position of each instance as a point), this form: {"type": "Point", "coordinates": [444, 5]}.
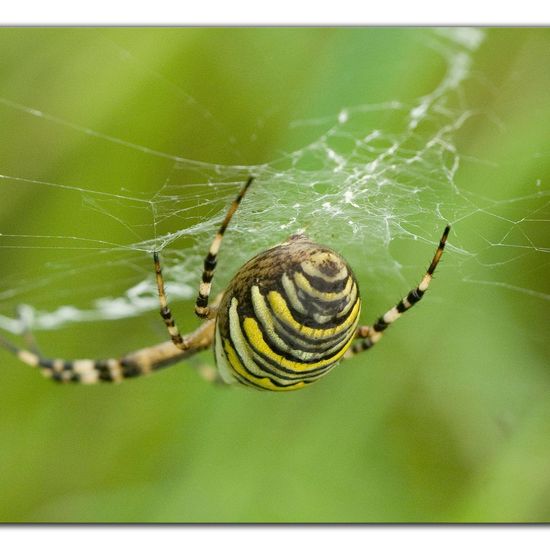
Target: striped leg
{"type": "Point", "coordinates": [367, 336]}
{"type": "Point", "coordinates": [165, 312]}
{"type": "Point", "coordinates": [137, 363]}
{"type": "Point", "coordinates": [201, 307]}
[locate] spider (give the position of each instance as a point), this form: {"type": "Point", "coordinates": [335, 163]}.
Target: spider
{"type": "Point", "coordinates": [287, 318]}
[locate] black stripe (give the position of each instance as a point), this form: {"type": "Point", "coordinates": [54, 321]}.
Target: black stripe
{"type": "Point", "coordinates": [307, 343]}
{"type": "Point", "coordinates": [102, 366]}
{"type": "Point", "coordinates": [415, 296]}
{"type": "Point", "coordinates": [362, 346]}
{"type": "Point", "coordinates": [210, 262]}
{"type": "Point", "coordinates": [322, 285]}
{"type": "Point", "coordinates": [401, 307]}
{"type": "Point", "coordinates": [267, 364]}
{"type": "Point", "coordinates": [380, 325]}
{"type": "Point", "coordinates": [45, 363]}
{"type": "Point", "coordinates": [129, 369]}
{"type": "Point", "coordinates": [331, 307]}
{"type": "Point", "coordinates": [337, 305]}
{"type": "Point", "coordinates": [58, 377]}
{"type": "Point", "coordinates": [307, 321]}
{"type": "Point", "coordinates": [207, 276]}
{"type": "Point", "coordinates": [202, 301]}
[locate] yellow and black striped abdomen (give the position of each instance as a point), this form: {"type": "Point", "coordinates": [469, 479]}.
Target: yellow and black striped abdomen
{"type": "Point", "coordinates": [287, 317]}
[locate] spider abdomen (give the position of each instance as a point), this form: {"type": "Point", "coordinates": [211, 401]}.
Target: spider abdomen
{"type": "Point", "coordinates": [287, 317]}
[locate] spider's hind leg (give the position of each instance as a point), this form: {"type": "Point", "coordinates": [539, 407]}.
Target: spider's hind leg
{"type": "Point", "coordinates": [85, 371]}
{"type": "Point", "coordinates": [137, 363]}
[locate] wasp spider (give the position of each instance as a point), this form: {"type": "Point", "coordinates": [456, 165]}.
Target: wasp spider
{"type": "Point", "coordinates": [286, 319]}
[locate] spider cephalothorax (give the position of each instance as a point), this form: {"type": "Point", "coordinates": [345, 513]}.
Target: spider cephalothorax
{"type": "Point", "coordinates": [287, 317]}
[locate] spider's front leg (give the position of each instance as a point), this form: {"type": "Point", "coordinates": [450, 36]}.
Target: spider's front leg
{"type": "Point", "coordinates": [165, 312]}
{"type": "Point", "coordinates": [202, 309]}
{"type": "Point", "coordinates": [367, 336]}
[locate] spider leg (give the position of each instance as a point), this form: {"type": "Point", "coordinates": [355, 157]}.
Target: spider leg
{"type": "Point", "coordinates": [165, 311]}
{"type": "Point", "coordinates": [201, 307]}
{"type": "Point", "coordinates": [367, 335]}
{"type": "Point", "coordinates": [137, 363]}
{"type": "Point", "coordinates": [178, 340]}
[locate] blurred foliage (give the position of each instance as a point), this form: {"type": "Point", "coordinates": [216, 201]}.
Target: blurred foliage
{"type": "Point", "coordinates": [448, 420]}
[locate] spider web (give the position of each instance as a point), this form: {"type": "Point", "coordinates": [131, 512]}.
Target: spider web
{"type": "Point", "coordinates": [358, 186]}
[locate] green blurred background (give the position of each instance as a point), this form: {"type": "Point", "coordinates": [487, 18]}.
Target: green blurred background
{"type": "Point", "coordinates": [447, 420]}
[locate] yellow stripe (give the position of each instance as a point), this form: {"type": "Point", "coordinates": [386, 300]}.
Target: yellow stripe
{"type": "Point", "coordinates": [285, 377]}
{"type": "Point", "coordinates": [265, 382]}
{"type": "Point", "coordinates": [238, 340]}
{"type": "Point", "coordinates": [255, 336]}
{"type": "Point", "coordinates": [279, 307]}
{"type": "Point", "coordinates": [304, 284]}
{"type": "Point", "coordinates": [262, 313]}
